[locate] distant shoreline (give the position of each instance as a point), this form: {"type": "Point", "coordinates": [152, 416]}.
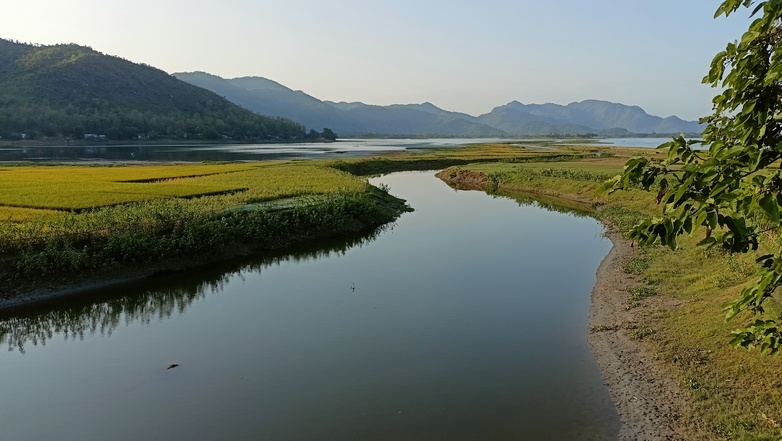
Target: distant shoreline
{"type": "Point", "coordinates": [161, 142]}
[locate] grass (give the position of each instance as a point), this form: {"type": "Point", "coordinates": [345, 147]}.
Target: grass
{"type": "Point", "coordinates": [77, 188]}
{"type": "Point", "coordinates": [71, 219]}
{"type": "Point", "coordinates": [439, 158]}
{"type": "Point", "coordinates": [18, 214]}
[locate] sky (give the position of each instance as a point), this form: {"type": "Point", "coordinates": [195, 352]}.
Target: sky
{"type": "Point", "coordinates": [465, 56]}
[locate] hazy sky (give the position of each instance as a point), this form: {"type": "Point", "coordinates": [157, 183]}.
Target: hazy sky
{"type": "Point", "coordinates": [466, 56]}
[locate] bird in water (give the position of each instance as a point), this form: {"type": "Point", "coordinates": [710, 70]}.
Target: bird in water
{"type": "Point", "coordinates": [172, 366]}
{"type": "Point", "coordinates": [353, 287]}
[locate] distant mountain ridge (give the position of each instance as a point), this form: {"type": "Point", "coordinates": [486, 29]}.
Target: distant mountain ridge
{"type": "Point", "coordinates": [601, 115]}
{"type": "Point", "coordinates": [267, 97]}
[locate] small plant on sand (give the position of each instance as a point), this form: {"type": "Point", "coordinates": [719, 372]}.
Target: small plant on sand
{"type": "Point", "coordinates": [639, 293]}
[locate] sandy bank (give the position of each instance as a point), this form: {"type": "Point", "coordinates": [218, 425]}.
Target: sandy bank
{"type": "Point", "coordinates": [647, 395]}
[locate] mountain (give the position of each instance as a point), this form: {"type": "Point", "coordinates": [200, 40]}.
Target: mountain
{"type": "Point", "coordinates": [269, 98]}
{"type": "Point", "coordinates": [515, 120]}
{"type": "Point", "coordinates": [69, 91]}
{"type": "Point", "coordinates": [413, 119]}
{"type": "Point", "coordinates": [583, 117]}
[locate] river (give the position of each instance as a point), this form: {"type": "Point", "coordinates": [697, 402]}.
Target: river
{"type": "Point", "coordinates": [465, 320]}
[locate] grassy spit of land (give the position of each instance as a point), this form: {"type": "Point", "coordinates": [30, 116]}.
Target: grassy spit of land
{"type": "Point", "coordinates": [66, 224]}
{"type": "Point", "coordinates": [673, 299]}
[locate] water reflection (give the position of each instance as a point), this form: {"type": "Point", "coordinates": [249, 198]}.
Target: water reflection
{"type": "Point", "coordinates": [103, 311]}
{"type": "Point", "coordinates": [548, 203]}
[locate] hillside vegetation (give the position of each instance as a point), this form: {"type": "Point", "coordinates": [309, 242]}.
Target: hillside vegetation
{"type": "Point", "coordinates": [69, 91]}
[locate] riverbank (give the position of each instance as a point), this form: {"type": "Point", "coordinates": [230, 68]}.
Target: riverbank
{"type": "Point", "coordinates": [41, 290]}
{"type": "Point", "coordinates": [650, 402]}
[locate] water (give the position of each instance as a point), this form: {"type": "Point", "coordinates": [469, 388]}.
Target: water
{"type": "Point", "coordinates": [635, 142]}
{"type": "Point", "coordinates": [259, 152]}
{"type": "Point", "coordinates": [223, 152]}
{"type": "Point", "coordinates": [465, 321]}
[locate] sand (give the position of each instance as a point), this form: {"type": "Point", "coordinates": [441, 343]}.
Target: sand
{"type": "Point", "coordinates": [648, 397]}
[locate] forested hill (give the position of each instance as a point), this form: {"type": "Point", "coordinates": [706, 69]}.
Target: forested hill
{"type": "Point", "coordinates": [69, 91]}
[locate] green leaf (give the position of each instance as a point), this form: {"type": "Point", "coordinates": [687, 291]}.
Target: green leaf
{"type": "Point", "coordinates": [688, 224]}
{"type": "Point", "coordinates": [672, 243]}
{"type": "Point", "coordinates": [769, 205]}
{"type": "Point", "coordinates": [728, 187]}
{"type": "Point", "coordinates": [712, 219]}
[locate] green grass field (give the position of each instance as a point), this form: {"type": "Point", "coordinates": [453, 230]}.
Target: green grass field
{"type": "Point", "coordinates": [27, 193]}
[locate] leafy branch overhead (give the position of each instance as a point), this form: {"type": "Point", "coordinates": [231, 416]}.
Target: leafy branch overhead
{"type": "Point", "coordinates": [733, 190]}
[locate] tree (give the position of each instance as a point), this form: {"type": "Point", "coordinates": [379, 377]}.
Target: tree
{"type": "Point", "coordinates": [733, 190]}
{"type": "Point", "coordinates": [329, 135]}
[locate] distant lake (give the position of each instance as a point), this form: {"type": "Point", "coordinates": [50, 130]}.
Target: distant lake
{"type": "Point", "coordinates": [225, 152]}
{"type": "Point", "coordinates": [256, 152]}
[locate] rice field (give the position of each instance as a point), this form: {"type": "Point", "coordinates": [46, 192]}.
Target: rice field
{"type": "Point", "coordinates": [34, 192]}
{"type": "Point", "coordinates": [17, 214]}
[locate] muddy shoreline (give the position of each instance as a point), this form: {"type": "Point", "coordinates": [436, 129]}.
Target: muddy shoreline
{"type": "Point", "coordinates": [647, 395]}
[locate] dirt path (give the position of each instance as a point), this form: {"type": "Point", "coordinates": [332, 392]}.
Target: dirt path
{"type": "Point", "coordinates": [647, 395]}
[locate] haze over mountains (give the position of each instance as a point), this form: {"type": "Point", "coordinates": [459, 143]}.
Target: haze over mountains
{"type": "Point", "coordinates": [267, 97]}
